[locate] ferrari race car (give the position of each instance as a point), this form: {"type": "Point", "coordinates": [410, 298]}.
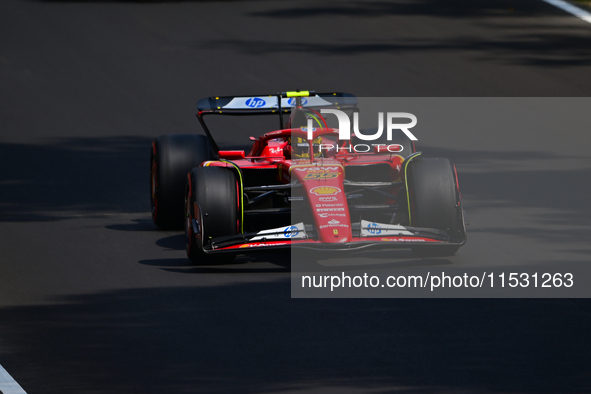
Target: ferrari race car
{"type": "Point", "coordinates": [302, 186]}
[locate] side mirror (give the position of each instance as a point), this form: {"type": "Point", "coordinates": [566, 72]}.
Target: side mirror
{"type": "Point", "coordinates": [231, 154]}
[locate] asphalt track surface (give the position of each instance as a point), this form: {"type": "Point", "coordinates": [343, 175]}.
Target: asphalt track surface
{"type": "Point", "coordinates": [95, 299]}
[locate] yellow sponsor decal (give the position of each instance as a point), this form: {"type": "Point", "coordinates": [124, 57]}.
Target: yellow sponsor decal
{"type": "Point", "coordinates": [321, 175]}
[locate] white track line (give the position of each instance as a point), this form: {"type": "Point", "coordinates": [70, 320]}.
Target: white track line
{"type": "Point", "coordinates": [571, 9]}
{"type": "Point", "coordinates": [8, 385]}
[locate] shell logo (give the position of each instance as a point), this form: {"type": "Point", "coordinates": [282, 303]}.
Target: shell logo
{"type": "Point", "coordinates": [325, 190]}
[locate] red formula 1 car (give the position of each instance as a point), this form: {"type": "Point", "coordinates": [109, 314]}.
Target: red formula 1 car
{"type": "Point", "coordinates": [300, 187]}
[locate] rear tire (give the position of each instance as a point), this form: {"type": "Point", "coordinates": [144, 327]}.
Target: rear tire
{"type": "Point", "coordinates": [212, 200]}
{"type": "Point", "coordinates": [172, 158]}
{"type": "Point", "coordinates": [435, 203]}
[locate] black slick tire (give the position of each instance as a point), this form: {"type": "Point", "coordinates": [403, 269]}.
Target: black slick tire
{"type": "Point", "coordinates": [172, 157]}
{"type": "Point", "coordinates": [211, 210]}
{"type": "Point", "coordinates": [434, 202]}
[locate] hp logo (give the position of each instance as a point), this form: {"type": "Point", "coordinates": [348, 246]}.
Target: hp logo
{"type": "Point", "coordinates": [373, 228]}
{"type": "Point", "coordinates": [292, 101]}
{"type": "Point", "coordinates": [255, 102]}
{"type": "Point", "coordinates": [291, 232]}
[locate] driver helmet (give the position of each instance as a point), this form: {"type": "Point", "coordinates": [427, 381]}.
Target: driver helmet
{"type": "Point", "coordinates": [300, 147]}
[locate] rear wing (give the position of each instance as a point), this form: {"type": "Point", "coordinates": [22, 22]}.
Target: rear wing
{"type": "Point", "coordinates": [270, 104]}
{"type": "Point", "coordinates": [273, 103]}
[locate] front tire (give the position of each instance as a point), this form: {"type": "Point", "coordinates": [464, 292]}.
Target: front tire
{"type": "Point", "coordinates": [434, 202]}
{"type": "Point", "coordinates": [172, 157]}
{"type": "Point", "coordinates": [211, 210]}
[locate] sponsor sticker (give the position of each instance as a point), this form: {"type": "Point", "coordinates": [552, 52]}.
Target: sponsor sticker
{"type": "Point", "coordinates": [292, 101]}
{"type": "Point", "coordinates": [325, 190]}
{"type": "Point", "coordinates": [255, 102]}
{"type": "Point", "coordinates": [295, 231]}
{"type": "Point", "coordinates": [334, 225]}
{"type": "Point", "coordinates": [290, 232]}
{"type": "Point", "coordinates": [321, 175]}
{"type": "Point", "coordinates": [316, 168]}
{"type": "Point", "coordinates": [374, 228]}
{"type": "Point", "coordinates": [371, 229]}
{"type": "Point", "coordinates": [402, 240]}
{"type": "Point", "coordinates": [326, 215]}
{"type": "Point", "coordinates": [271, 102]}
{"type": "Point", "coordinates": [264, 244]}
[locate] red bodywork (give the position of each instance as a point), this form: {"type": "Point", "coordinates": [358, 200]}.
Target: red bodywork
{"type": "Point", "coordinates": [322, 185]}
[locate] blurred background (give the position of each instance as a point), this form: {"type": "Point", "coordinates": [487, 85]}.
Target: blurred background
{"type": "Point", "coordinates": [95, 299]}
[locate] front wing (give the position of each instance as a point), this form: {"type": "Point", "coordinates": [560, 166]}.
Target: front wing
{"type": "Point", "coordinates": [366, 237]}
